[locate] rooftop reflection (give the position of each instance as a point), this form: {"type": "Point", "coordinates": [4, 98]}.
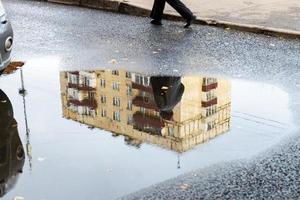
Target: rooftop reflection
{"type": "Point", "coordinates": [176, 113]}
{"type": "Point", "coordinates": [12, 155]}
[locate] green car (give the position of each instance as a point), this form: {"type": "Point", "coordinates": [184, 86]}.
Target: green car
{"type": "Point", "coordinates": [12, 156]}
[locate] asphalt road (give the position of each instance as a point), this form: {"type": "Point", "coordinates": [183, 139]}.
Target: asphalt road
{"type": "Point", "coordinates": [84, 38]}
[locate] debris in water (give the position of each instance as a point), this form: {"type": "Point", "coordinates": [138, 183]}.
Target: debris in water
{"type": "Point", "coordinates": [113, 61]}
{"type": "Point", "coordinates": [13, 66]}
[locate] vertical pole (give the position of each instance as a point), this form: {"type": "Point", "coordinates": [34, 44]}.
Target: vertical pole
{"type": "Point", "coordinates": [178, 161]}
{"type": "Point", "coordinates": [22, 92]}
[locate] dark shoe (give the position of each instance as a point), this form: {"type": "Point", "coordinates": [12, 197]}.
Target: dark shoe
{"type": "Point", "coordinates": [190, 21]}
{"type": "Point", "coordinates": [156, 22]}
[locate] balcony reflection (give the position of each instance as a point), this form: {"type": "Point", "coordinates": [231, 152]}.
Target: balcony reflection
{"type": "Point", "coordinates": [12, 155]}
{"type": "Point", "coordinates": [176, 113]}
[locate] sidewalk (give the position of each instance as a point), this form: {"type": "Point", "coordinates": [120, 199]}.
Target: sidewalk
{"type": "Point", "coordinates": [279, 17]}
{"type": "Point", "coordinates": [282, 14]}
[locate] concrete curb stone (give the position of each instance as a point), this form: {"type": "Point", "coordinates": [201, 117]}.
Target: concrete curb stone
{"type": "Point", "coordinates": [97, 4]}
{"type": "Point", "coordinates": [126, 8]}
{"type": "Point", "coordinates": [68, 2]}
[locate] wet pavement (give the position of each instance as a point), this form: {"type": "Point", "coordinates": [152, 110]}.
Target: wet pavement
{"type": "Point", "coordinates": [91, 122]}
{"type": "Point", "coordinates": [107, 128]}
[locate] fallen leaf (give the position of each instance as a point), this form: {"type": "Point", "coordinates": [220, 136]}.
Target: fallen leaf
{"type": "Point", "coordinates": [13, 66]}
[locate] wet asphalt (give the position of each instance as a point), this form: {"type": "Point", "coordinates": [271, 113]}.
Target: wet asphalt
{"type": "Point", "coordinates": [83, 38]}
{"type": "Point", "coordinates": [272, 176]}
{"type": "Point", "coordinates": [86, 37]}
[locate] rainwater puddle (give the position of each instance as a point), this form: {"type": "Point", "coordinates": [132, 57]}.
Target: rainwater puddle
{"type": "Point", "coordinates": [102, 134]}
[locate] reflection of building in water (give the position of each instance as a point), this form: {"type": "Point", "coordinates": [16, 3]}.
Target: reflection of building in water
{"type": "Point", "coordinates": [123, 103]}
{"type": "Point", "coordinates": [12, 155]}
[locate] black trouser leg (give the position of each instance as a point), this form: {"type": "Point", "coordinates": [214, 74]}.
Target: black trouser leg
{"type": "Point", "coordinates": [181, 9]}
{"type": "Point", "coordinates": [158, 9]}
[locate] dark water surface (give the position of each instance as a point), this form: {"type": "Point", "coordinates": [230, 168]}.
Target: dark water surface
{"type": "Point", "coordinates": [102, 134]}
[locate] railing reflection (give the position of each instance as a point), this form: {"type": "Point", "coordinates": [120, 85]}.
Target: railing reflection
{"type": "Point", "coordinates": [176, 113]}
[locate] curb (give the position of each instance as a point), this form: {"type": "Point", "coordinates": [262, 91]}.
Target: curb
{"type": "Point", "coordinates": [126, 8]}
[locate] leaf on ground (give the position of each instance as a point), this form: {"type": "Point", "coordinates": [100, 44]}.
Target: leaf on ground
{"type": "Point", "coordinates": [13, 66]}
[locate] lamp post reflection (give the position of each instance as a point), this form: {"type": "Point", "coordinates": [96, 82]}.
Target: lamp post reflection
{"type": "Point", "coordinates": [23, 93]}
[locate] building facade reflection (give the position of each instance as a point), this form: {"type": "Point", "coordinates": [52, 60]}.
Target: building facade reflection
{"type": "Point", "coordinates": [135, 105]}
{"type": "Point", "coordinates": [12, 156]}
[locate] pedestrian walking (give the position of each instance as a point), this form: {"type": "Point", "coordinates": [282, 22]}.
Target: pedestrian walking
{"type": "Point", "coordinates": [167, 92]}
{"type": "Point", "coordinates": [159, 6]}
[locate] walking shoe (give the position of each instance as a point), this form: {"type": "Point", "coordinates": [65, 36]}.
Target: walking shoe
{"type": "Point", "coordinates": [190, 21]}
{"type": "Point", "coordinates": [156, 22]}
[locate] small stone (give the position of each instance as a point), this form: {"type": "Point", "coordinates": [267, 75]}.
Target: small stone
{"type": "Point", "coordinates": [113, 61]}
{"type": "Point", "coordinates": [184, 186]}
{"type": "Point", "coordinates": [18, 198]}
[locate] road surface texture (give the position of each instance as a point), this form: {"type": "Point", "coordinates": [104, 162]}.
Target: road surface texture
{"type": "Point", "coordinates": [83, 38]}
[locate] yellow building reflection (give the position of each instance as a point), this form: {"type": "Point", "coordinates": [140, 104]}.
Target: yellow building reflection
{"type": "Point", "coordinates": [126, 103]}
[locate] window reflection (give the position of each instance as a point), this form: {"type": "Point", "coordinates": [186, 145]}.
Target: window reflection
{"type": "Point", "coordinates": [176, 113]}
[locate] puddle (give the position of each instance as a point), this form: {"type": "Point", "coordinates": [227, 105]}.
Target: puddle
{"type": "Point", "coordinates": [101, 134]}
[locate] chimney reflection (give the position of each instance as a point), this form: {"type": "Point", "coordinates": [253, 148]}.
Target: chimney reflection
{"type": "Point", "coordinates": [176, 113]}
{"type": "Point", "coordinates": [12, 155]}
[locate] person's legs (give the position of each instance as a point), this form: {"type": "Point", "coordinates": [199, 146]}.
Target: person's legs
{"type": "Point", "coordinates": [157, 10]}
{"type": "Point", "coordinates": [181, 9]}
